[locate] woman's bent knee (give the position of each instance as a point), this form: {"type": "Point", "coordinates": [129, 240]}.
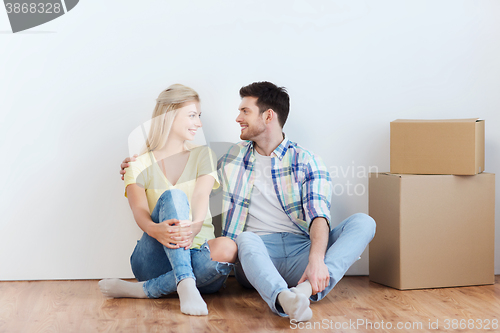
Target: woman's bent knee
{"type": "Point", "coordinates": [223, 249]}
{"type": "Point", "coordinates": [174, 195]}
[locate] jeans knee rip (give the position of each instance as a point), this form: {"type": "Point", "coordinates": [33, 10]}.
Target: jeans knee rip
{"type": "Point", "coordinates": [224, 268]}
{"type": "Point", "coordinates": [205, 245]}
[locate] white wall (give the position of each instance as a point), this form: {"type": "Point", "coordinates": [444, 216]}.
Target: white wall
{"type": "Point", "coordinates": [73, 89]}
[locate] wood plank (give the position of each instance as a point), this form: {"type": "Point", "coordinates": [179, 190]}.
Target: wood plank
{"type": "Point", "coordinates": [355, 305]}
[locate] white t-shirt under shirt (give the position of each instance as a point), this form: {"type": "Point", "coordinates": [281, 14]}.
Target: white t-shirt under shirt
{"type": "Point", "coordinates": [265, 214]}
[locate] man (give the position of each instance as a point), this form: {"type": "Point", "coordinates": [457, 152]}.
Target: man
{"type": "Point", "coordinates": [276, 206]}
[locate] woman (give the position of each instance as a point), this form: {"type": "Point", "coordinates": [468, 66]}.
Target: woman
{"type": "Point", "coordinates": [168, 189]}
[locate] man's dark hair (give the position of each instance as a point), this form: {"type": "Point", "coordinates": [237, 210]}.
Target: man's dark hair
{"type": "Point", "coordinates": [269, 96]}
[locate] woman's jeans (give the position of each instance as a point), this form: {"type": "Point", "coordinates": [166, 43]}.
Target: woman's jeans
{"type": "Point", "coordinates": [163, 268]}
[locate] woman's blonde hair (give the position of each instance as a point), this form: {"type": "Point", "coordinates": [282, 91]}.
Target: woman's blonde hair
{"type": "Point", "coordinates": [167, 105]}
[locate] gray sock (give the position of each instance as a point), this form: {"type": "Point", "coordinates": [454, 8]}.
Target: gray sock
{"type": "Point", "coordinates": [191, 301]}
{"type": "Point", "coordinates": [303, 288]}
{"type": "Point", "coordinates": [295, 305]}
{"type": "Point", "coordinates": [117, 288]}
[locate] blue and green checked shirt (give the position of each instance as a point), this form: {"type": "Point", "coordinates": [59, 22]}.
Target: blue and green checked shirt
{"type": "Point", "coordinates": [301, 181]}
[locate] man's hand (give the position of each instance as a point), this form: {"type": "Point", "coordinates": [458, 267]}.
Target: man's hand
{"type": "Point", "coordinates": [125, 164]}
{"type": "Point", "coordinates": [171, 233]}
{"type": "Point", "coordinates": [317, 274]}
{"type": "Point", "coordinates": [317, 271]}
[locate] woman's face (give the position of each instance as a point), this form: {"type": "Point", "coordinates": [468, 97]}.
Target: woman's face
{"type": "Point", "coordinates": [187, 121]}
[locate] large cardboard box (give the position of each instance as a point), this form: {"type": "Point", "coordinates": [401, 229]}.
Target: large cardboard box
{"type": "Point", "coordinates": [432, 230]}
{"type": "Point", "coordinates": [449, 147]}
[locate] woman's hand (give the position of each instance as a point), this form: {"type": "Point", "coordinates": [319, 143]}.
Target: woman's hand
{"type": "Point", "coordinates": [187, 225]}
{"type": "Point", "coordinates": [171, 233]}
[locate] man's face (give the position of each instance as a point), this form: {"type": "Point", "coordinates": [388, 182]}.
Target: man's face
{"type": "Point", "coordinates": [250, 119]}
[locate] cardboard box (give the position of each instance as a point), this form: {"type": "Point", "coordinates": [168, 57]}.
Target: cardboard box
{"type": "Point", "coordinates": [432, 230]}
{"type": "Point", "coordinates": [448, 147]}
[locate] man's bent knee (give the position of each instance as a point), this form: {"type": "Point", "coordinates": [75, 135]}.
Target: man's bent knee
{"type": "Point", "coordinates": [246, 236]}
{"type": "Point", "coordinates": [366, 222]}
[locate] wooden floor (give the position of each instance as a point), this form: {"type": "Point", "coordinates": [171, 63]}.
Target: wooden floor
{"type": "Point", "coordinates": [355, 305]}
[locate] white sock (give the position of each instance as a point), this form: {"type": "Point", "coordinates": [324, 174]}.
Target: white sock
{"type": "Point", "coordinates": [191, 301]}
{"type": "Point", "coordinates": [117, 288]}
{"type": "Point", "coordinates": [303, 288]}
{"type": "Point", "coordinates": [295, 305]}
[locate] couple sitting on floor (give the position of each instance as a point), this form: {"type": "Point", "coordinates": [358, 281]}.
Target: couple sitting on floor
{"type": "Point", "coordinates": [276, 227]}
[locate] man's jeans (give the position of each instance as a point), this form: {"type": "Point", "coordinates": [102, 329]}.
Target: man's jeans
{"type": "Point", "coordinates": [274, 262]}
{"type": "Point", "coordinates": [163, 268]}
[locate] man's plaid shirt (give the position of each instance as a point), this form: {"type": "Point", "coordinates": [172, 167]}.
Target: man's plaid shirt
{"type": "Point", "coordinates": [301, 181]}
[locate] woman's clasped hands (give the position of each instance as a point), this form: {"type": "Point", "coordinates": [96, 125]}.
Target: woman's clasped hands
{"type": "Point", "coordinates": [174, 233]}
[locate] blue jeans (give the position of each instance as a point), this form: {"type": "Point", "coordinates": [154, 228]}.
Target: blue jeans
{"type": "Point", "coordinates": [274, 262]}
{"type": "Point", "coordinates": [163, 268]}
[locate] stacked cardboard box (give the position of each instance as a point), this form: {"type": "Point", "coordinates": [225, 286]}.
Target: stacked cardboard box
{"type": "Point", "coordinates": [435, 211]}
